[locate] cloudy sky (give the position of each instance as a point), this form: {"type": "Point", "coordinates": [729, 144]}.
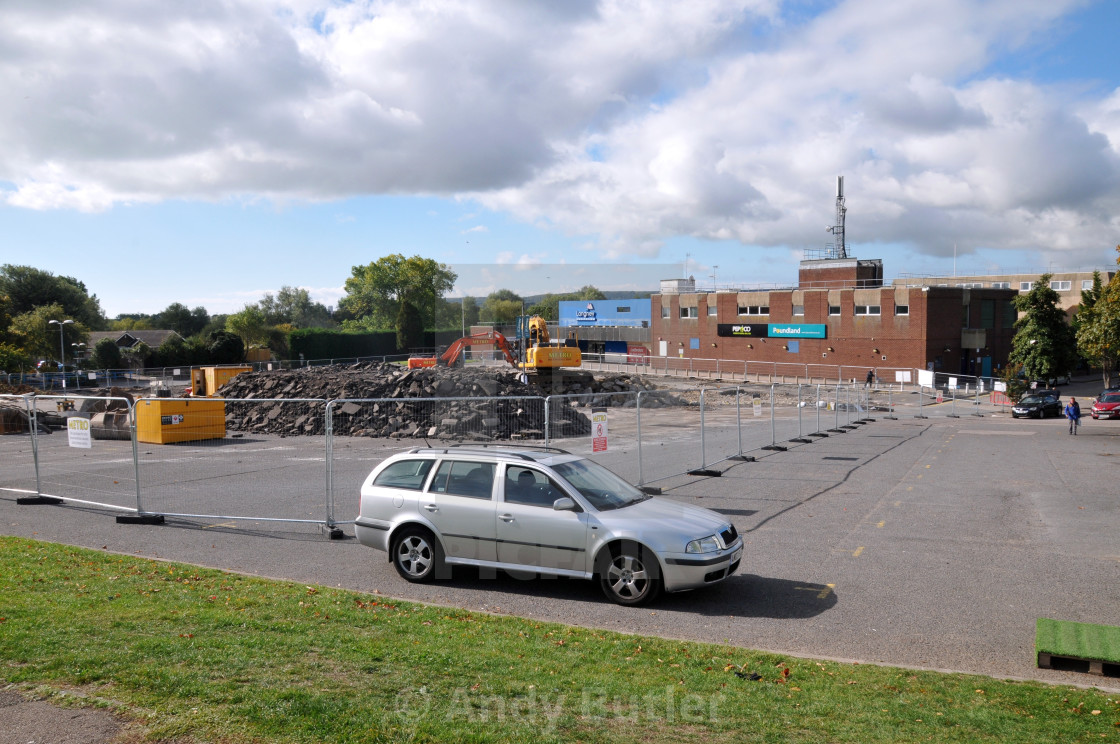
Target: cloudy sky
{"type": "Point", "coordinates": [207, 152]}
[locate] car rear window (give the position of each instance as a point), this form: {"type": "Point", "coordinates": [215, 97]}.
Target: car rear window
{"type": "Point", "coordinates": [408, 474]}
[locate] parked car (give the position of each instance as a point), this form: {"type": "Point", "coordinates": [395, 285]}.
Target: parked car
{"type": "Point", "coordinates": [1107, 406]}
{"type": "Point", "coordinates": [1107, 390]}
{"type": "Point", "coordinates": [1038, 406]}
{"type": "Point", "coordinates": [544, 511]}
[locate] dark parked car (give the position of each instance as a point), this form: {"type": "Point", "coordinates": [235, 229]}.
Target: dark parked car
{"type": "Point", "coordinates": [1038, 406]}
{"type": "Point", "coordinates": [1107, 406]}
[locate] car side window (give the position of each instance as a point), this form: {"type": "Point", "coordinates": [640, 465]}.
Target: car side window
{"type": "Point", "coordinates": [530, 487]}
{"type": "Point", "coordinates": [464, 478]}
{"type": "Point", "coordinates": [408, 474]}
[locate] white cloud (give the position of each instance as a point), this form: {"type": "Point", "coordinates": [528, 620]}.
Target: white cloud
{"type": "Point", "coordinates": [627, 122]}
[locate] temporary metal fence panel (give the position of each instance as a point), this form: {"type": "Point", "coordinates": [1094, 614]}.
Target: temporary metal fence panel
{"type": "Point", "coordinates": [81, 451]}
{"type": "Point", "coordinates": [17, 445]}
{"type": "Point", "coordinates": [365, 431]}
{"type": "Point", "coordinates": [610, 435]}
{"type": "Point", "coordinates": [237, 459]}
{"type": "Point", "coordinates": [667, 427]}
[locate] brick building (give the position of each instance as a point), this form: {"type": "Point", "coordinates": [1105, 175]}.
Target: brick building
{"type": "Point", "coordinates": [839, 314]}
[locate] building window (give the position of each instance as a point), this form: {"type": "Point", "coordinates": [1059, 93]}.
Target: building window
{"type": "Point", "coordinates": [798, 309]}
{"type": "Point", "coordinates": [987, 313]}
{"type": "Point", "coordinates": [622, 309]}
{"type": "Point", "coordinates": [1060, 286]}
{"type": "Point", "coordinates": [664, 312]}
{"type": "Point", "coordinates": [1086, 284]}
{"type": "Point", "coordinates": [1001, 285]}
{"type": "Point", "coordinates": [712, 311]}
{"type": "Point", "coordinates": [966, 312]}
{"type": "Point", "coordinates": [971, 285]}
{"type": "Point", "coordinates": [833, 309]}
{"type": "Point", "coordinates": [1025, 286]}
{"type": "Point", "coordinates": [868, 309]}
{"type": "Point", "coordinates": [754, 310]}
{"type": "Point", "coordinates": [690, 312]}
{"type": "Point", "coordinates": [901, 309]}
{"type": "Point", "coordinates": [1010, 314]}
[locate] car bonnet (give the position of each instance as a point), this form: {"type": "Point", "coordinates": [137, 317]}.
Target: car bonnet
{"type": "Point", "coordinates": [691, 521]}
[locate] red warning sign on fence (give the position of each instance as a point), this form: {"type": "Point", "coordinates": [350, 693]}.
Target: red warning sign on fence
{"type": "Point", "coordinates": [599, 430]}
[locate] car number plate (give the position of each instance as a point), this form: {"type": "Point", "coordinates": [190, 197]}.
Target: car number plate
{"type": "Point", "coordinates": [737, 555]}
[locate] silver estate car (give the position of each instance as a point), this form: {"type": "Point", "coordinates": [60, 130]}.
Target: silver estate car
{"type": "Point", "coordinates": [541, 510]}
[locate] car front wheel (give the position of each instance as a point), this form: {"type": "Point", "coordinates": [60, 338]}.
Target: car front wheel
{"type": "Point", "coordinates": [630, 575]}
{"type": "Point", "coordinates": [416, 554]}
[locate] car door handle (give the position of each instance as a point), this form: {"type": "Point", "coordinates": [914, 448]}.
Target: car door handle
{"type": "Point", "coordinates": [431, 507]}
{"type": "Point", "coordinates": [505, 517]}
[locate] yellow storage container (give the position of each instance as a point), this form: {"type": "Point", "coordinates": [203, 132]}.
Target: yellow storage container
{"type": "Point", "coordinates": [218, 376]}
{"type": "Point", "coordinates": [165, 421]}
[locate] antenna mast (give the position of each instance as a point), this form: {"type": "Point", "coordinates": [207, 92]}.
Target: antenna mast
{"type": "Point", "coordinates": [840, 250]}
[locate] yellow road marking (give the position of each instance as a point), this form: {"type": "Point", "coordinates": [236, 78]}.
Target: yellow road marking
{"type": "Point", "coordinates": [857, 551]}
{"type": "Point", "coordinates": [220, 524]}
{"type": "Point", "coordinates": [823, 594]}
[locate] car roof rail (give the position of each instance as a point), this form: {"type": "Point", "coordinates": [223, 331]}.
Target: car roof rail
{"type": "Point", "coordinates": [509, 447]}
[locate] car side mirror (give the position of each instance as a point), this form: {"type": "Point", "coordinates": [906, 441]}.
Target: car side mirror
{"type": "Point", "coordinates": [565, 504]}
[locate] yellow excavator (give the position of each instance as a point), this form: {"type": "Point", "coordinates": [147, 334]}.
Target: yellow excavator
{"type": "Point", "coordinates": [542, 353]}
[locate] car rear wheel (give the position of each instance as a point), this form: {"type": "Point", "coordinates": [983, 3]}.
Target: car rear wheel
{"type": "Point", "coordinates": [630, 575]}
{"type": "Point", "coordinates": [416, 554]}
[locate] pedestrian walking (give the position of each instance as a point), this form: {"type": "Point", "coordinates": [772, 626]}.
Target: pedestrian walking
{"type": "Point", "coordinates": [1073, 413]}
{"type": "Point", "coordinates": [870, 378]}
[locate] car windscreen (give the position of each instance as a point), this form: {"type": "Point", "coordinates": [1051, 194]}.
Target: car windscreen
{"type": "Point", "coordinates": [602, 488]}
{"type": "Point", "coordinates": [1111, 398]}
{"type": "Point", "coordinates": [1030, 400]}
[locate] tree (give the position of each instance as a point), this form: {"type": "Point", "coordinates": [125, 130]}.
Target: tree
{"type": "Point", "coordinates": [250, 325]}
{"type": "Point", "coordinates": [177, 317]}
{"type": "Point", "coordinates": [374, 291]}
{"type": "Point", "coordinates": [106, 355]}
{"type": "Point", "coordinates": [1044, 343]}
{"type": "Point", "coordinates": [1098, 324]}
{"type": "Point", "coordinates": [293, 305]}
{"type": "Point", "coordinates": [501, 307]}
{"type": "Point", "coordinates": [410, 327]}
{"type": "Point", "coordinates": [28, 288]}
{"type": "Point", "coordinates": [470, 311]}
{"type": "Point", "coordinates": [225, 348]}
{"type": "Point", "coordinates": [33, 333]}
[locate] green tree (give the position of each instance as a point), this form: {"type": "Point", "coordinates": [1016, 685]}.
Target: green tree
{"type": "Point", "coordinates": [410, 327]}
{"type": "Point", "coordinates": [38, 338]}
{"type": "Point", "coordinates": [293, 305]}
{"type": "Point", "coordinates": [374, 291]}
{"type": "Point", "coordinates": [28, 288]}
{"type": "Point", "coordinates": [1044, 343]}
{"type": "Point", "coordinates": [1098, 324]}
{"type": "Point", "coordinates": [13, 358]}
{"type": "Point", "coordinates": [501, 307]}
{"type": "Point", "coordinates": [225, 348]}
{"type": "Point", "coordinates": [250, 325]}
{"type": "Point", "coordinates": [184, 321]}
{"type": "Point", "coordinates": [470, 311]}
{"type": "Point", "coordinates": [106, 355]}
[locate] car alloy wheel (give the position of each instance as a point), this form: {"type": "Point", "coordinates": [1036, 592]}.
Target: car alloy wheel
{"type": "Point", "coordinates": [416, 554]}
{"type": "Point", "coordinates": [630, 576]}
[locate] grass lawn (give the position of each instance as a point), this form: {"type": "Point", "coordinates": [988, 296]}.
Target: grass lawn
{"type": "Point", "coordinates": [197, 654]}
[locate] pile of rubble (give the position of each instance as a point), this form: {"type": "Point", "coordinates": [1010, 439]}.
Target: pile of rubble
{"type": "Point", "coordinates": [474, 403]}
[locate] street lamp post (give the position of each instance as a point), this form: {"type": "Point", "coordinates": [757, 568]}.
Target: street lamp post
{"type": "Point", "coordinates": [61, 346]}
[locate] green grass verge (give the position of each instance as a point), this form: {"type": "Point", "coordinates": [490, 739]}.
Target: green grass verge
{"type": "Point", "coordinates": [1078, 640]}
{"type": "Point", "coordinates": [197, 654]}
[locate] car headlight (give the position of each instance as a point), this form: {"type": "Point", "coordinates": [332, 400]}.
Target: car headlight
{"type": "Point", "coordinates": [707, 544]}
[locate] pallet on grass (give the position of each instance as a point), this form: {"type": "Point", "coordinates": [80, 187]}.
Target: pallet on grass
{"type": "Point", "coordinates": [1097, 645]}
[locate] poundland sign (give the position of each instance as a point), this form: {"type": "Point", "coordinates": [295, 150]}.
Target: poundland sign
{"type": "Point", "coordinates": [773, 330]}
